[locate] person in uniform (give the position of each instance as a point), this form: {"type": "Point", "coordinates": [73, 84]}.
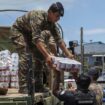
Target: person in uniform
{"type": "Point", "coordinates": [36, 32]}
{"type": "Point", "coordinates": [94, 86]}
{"type": "Point", "coordinates": [80, 96]}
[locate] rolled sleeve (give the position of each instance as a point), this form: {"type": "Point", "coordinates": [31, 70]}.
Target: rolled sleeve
{"type": "Point", "coordinates": [36, 34]}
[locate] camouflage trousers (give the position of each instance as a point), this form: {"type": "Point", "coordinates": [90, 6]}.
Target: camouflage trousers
{"type": "Point", "coordinates": [24, 75]}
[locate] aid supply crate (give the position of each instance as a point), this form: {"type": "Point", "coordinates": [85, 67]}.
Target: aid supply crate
{"type": "Point", "coordinates": [66, 64]}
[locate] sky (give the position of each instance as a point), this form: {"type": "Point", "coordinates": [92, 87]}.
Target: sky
{"type": "Point", "coordinates": [89, 14]}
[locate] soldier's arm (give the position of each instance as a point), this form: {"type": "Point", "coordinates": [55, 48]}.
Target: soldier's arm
{"type": "Point", "coordinates": [45, 53]}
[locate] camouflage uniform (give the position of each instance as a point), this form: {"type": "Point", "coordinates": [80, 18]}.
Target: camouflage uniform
{"type": "Point", "coordinates": [98, 91]}
{"type": "Point", "coordinates": [26, 30]}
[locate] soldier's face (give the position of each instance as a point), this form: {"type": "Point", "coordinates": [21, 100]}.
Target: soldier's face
{"type": "Point", "coordinates": [54, 17]}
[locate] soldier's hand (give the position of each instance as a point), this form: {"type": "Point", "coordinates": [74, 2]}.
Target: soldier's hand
{"type": "Point", "coordinates": [50, 62]}
{"type": "Point", "coordinates": [71, 56]}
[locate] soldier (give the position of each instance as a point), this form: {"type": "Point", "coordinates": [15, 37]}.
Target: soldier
{"type": "Point", "coordinates": [94, 86]}
{"type": "Point", "coordinates": [36, 33]}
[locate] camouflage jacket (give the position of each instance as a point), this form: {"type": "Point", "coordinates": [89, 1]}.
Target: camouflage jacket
{"type": "Point", "coordinates": [32, 25]}
{"type": "Point", "coordinates": [98, 91]}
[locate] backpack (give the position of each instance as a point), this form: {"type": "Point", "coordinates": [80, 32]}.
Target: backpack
{"type": "Point", "coordinates": [85, 98]}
